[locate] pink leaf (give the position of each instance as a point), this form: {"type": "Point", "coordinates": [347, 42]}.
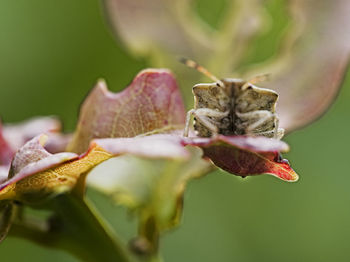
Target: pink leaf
{"type": "Point", "coordinates": [154, 146]}
{"type": "Point", "coordinates": [18, 134]}
{"type": "Point", "coordinates": [152, 101]}
{"type": "Point", "coordinates": [310, 71]}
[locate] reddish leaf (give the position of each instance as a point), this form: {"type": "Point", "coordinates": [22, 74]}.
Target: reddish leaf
{"type": "Point", "coordinates": [152, 101]}
{"type": "Point", "coordinates": [244, 155]}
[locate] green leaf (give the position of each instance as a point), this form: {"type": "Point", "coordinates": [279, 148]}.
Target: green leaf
{"type": "Point", "coordinates": [152, 188]}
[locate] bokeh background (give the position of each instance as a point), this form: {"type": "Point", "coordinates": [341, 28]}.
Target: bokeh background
{"type": "Point", "coordinates": [52, 53]}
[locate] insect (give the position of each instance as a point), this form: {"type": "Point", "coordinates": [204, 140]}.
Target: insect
{"type": "Point", "coordinates": [232, 107]}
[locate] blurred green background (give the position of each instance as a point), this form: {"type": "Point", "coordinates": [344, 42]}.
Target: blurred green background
{"type": "Point", "coordinates": [52, 53]}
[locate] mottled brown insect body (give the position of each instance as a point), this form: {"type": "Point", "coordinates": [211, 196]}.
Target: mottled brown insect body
{"type": "Point", "coordinates": [254, 109]}
{"type": "Point", "coordinates": [217, 101]}
{"type": "Point", "coordinates": [233, 107]}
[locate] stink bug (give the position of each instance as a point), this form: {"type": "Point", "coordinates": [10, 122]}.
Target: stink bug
{"type": "Point", "coordinates": [232, 107]}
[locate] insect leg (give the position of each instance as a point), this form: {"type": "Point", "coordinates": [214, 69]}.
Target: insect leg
{"type": "Point", "coordinates": [202, 115]}
{"type": "Point", "coordinates": [264, 133]}
{"type": "Point", "coordinates": [276, 123]}
{"type": "Point", "coordinates": [277, 135]}
{"type": "Point", "coordinates": [264, 115]}
{"type": "Point", "coordinates": [210, 118]}
{"type": "Point", "coordinates": [261, 121]}
{"type": "Point", "coordinates": [278, 132]}
{"type": "Point", "coordinates": [211, 112]}
{"type": "Point", "coordinates": [254, 114]}
{"type": "Point", "coordinates": [188, 119]}
{"type": "Point", "coordinates": [207, 123]}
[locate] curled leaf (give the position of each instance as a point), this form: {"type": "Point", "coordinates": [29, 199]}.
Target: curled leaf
{"type": "Point", "coordinates": [28, 173]}
{"type": "Point", "coordinates": [18, 134]}
{"type": "Point", "coordinates": [245, 155]}
{"type": "Point", "coordinates": [14, 136]}
{"type": "Point", "coordinates": [152, 101]}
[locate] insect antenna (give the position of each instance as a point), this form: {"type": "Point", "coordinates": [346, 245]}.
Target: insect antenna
{"type": "Point", "coordinates": [201, 69]}
{"type": "Point", "coordinates": [256, 79]}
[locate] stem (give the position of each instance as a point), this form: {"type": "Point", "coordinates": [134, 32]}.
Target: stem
{"type": "Point", "coordinates": [149, 230]}
{"type": "Point", "coordinates": [78, 229]}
